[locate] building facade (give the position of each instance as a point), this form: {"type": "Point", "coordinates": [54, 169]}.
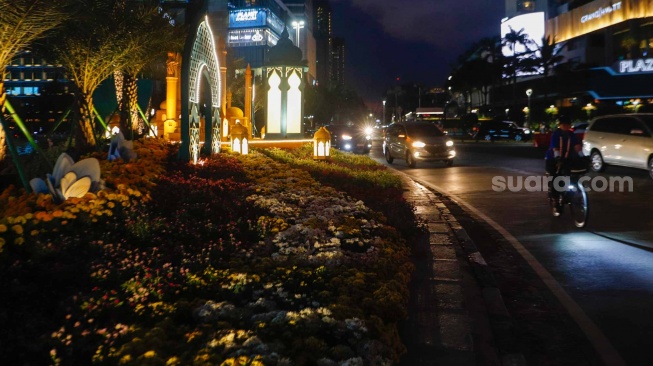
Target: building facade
{"type": "Point", "coordinates": [337, 73]}
{"type": "Point", "coordinates": [606, 47]}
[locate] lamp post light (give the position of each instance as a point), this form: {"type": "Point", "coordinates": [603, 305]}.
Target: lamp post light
{"type": "Point", "coordinates": [529, 92]}
{"type": "Point", "coordinates": [384, 112]}
{"type": "Point", "coordinates": [297, 25]}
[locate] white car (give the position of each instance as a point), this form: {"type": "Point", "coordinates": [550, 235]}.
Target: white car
{"type": "Point", "coordinates": [624, 139]}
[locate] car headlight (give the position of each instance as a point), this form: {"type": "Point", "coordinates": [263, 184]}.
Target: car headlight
{"type": "Point", "coordinates": [346, 137]}
{"type": "Point", "coordinates": [527, 131]}
{"type": "Point", "coordinates": [368, 130]}
{"type": "Point", "coordinates": [418, 144]}
{"type": "Point", "coordinates": [449, 143]}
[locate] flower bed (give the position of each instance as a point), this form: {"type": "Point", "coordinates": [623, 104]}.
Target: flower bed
{"type": "Point", "coordinates": [238, 260]}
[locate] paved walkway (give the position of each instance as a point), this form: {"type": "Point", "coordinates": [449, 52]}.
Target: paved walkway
{"type": "Point", "coordinates": [456, 313]}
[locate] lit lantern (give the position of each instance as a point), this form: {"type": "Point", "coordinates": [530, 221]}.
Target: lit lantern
{"type": "Point", "coordinates": [239, 136]}
{"type": "Point", "coordinates": [321, 144]}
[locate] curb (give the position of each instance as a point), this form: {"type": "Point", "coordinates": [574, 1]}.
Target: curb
{"type": "Point", "coordinates": [501, 323]}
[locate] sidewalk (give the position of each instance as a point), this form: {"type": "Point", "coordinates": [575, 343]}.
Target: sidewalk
{"type": "Point", "coordinates": [456, 312]}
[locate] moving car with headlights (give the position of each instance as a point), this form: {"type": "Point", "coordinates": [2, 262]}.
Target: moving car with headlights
{"type": "Point", "coordinates": [497, 129]}
{"type": "Point", "coordinates": [350, 138]}
{"type": "Point", "coordinates": [624, 139]}
{"type": "Point", "coordinates": [417, 140]}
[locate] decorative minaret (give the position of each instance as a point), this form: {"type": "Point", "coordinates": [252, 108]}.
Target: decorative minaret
{"type": "Point", "coordinates": [248, 99]}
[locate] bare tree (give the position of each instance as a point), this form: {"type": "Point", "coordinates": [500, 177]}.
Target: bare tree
{"type": "Point", "coordinates": [21, 23]}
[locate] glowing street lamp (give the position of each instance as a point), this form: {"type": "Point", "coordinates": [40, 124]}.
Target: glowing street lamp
{"type": "Point", "coordinates": [297, 25]}
{"type": "Point", "coordinates": [529, 92]}
{"type": "Point", "coordinates": [384, 112]}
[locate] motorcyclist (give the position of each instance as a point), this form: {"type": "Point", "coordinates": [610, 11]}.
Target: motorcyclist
{"type": "Point", "coordinates": [564, 147]}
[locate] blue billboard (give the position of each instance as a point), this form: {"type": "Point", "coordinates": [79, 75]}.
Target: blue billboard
{"type": "Point", "coordinates": [255, 17]}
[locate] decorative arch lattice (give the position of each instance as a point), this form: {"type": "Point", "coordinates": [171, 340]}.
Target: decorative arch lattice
{"type": "Point", "coordinates": [203, 62]}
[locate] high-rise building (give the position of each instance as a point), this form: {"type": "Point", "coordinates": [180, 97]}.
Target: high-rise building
{"type": "Point", "coordinates": [254, 27]}
{"type": "Point", "coordinates": [337, 74]}
{"type": "Point", "coordinates": [323, 34]}
{"type": "Point", "coordinates": [302, 30]}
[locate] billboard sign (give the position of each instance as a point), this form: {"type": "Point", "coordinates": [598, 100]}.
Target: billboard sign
{"type": "Point", "coordinates": [251, 37]}
{"type": "Point", "coordinates": [531, 25]}
{"type": "Point", "coordinates": [255, 17]}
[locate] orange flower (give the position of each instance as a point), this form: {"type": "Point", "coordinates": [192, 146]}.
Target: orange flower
{"type": "Point", "coordinates": [57, 213]}
{"type": "Point", "coordinates": [17, 229]}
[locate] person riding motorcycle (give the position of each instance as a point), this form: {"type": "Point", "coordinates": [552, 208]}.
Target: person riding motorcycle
{"type": "Point", "coordinates": [563, 149]}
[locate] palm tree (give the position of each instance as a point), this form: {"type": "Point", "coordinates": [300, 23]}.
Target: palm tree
{"type": "Point", "coordinates": [515, 62]}
{"type": "Point", "coordinates": [153, 36]}
{"type": "Point", "coordinates": [21, 23]}
{"type": "Point", "coordinates": [549, 56]}
{"type": "Point", "coordinates": [90, 50]}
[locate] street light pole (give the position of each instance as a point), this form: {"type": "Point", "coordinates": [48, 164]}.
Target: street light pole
{"type": "Point", "coordinates": [297, 25]}
{"type": "Point", "coordinates": [384, 112]}
{"type": "Point", "coordinates": [529, 92]}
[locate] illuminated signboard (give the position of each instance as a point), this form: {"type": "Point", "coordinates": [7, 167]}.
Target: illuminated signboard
{"type": "Point", "coordinates": [596, 15]}
{"type": "Point", "coordinates": [600, 12]}
{"type": "Point", "coordinates": [247, 18]}
{"type": "Point", "coordinates": [251, 18]}
{"type": "Point", "coordinates": [532, 25]}
{"type": "Point", "coordinates": [251, 37]}
{"type": "Point", "coordinates": [635, 66]}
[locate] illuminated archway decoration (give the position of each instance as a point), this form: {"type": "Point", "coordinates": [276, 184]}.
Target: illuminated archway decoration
{"type": "Point", "coordinates": [202, 56]}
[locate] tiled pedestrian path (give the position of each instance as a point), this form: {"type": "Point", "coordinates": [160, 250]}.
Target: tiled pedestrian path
{"type": "Point", "coordinates": [455, 305]}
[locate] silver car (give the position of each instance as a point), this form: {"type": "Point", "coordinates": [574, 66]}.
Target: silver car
{"type": "Point", "coordinates": [417, 140]}
{"type": "Point", "coordinates": [624, 139]}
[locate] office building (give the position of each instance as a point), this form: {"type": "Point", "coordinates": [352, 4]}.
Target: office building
{"type": "Point", "coordinates": [337, 73]}
{"type": "Point", "coordinates": [323, 37]}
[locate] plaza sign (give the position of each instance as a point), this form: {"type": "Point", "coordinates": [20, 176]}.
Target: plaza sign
{"type": "Point", "coordinates": [601, 12]}
{"type": "Point", "coordinates": [635, 66]}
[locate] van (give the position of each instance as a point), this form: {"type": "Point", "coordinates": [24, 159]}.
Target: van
{"type": "Point", "coordinates": [623, 139]}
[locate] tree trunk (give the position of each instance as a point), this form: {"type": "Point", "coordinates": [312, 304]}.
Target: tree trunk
{"type": "Point", "coordinates": [3, 136]}
{"type": "Point", "coordinates": [85, 136]}
{"type": "Point", "coordinates": [129, 119]}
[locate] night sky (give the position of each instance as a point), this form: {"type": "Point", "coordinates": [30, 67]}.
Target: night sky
{"type": "Point", "coordinates": [415, 40]}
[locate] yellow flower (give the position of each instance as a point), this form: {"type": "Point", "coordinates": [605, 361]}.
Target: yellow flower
{"type": "Point", "coordinates": [34, 232]}
{"type": "Point", "coordinates": [3, 228]}
{"type": "Point", "coordinates": [125, 359]}
{"type": "Point", "coordinates": [20, 220]}
{"type": "Point", "coordinates": [29, 216]}
{"type": "Point", "coordinates": [17, 229]}
{"type": "Point", "coordinates": [57, 213]}
{"type": "Point", "coordinates": [19, 241]}
{"type": "Point", "coordinates": [172, 361]}
{"type": "Point", "coordinates": [149, 354]}
{"type": "Point", "coordinates": [2, 242]}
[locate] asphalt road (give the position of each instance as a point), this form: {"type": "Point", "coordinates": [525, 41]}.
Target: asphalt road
{"type": "Point", "coordinates": [602, 275]}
